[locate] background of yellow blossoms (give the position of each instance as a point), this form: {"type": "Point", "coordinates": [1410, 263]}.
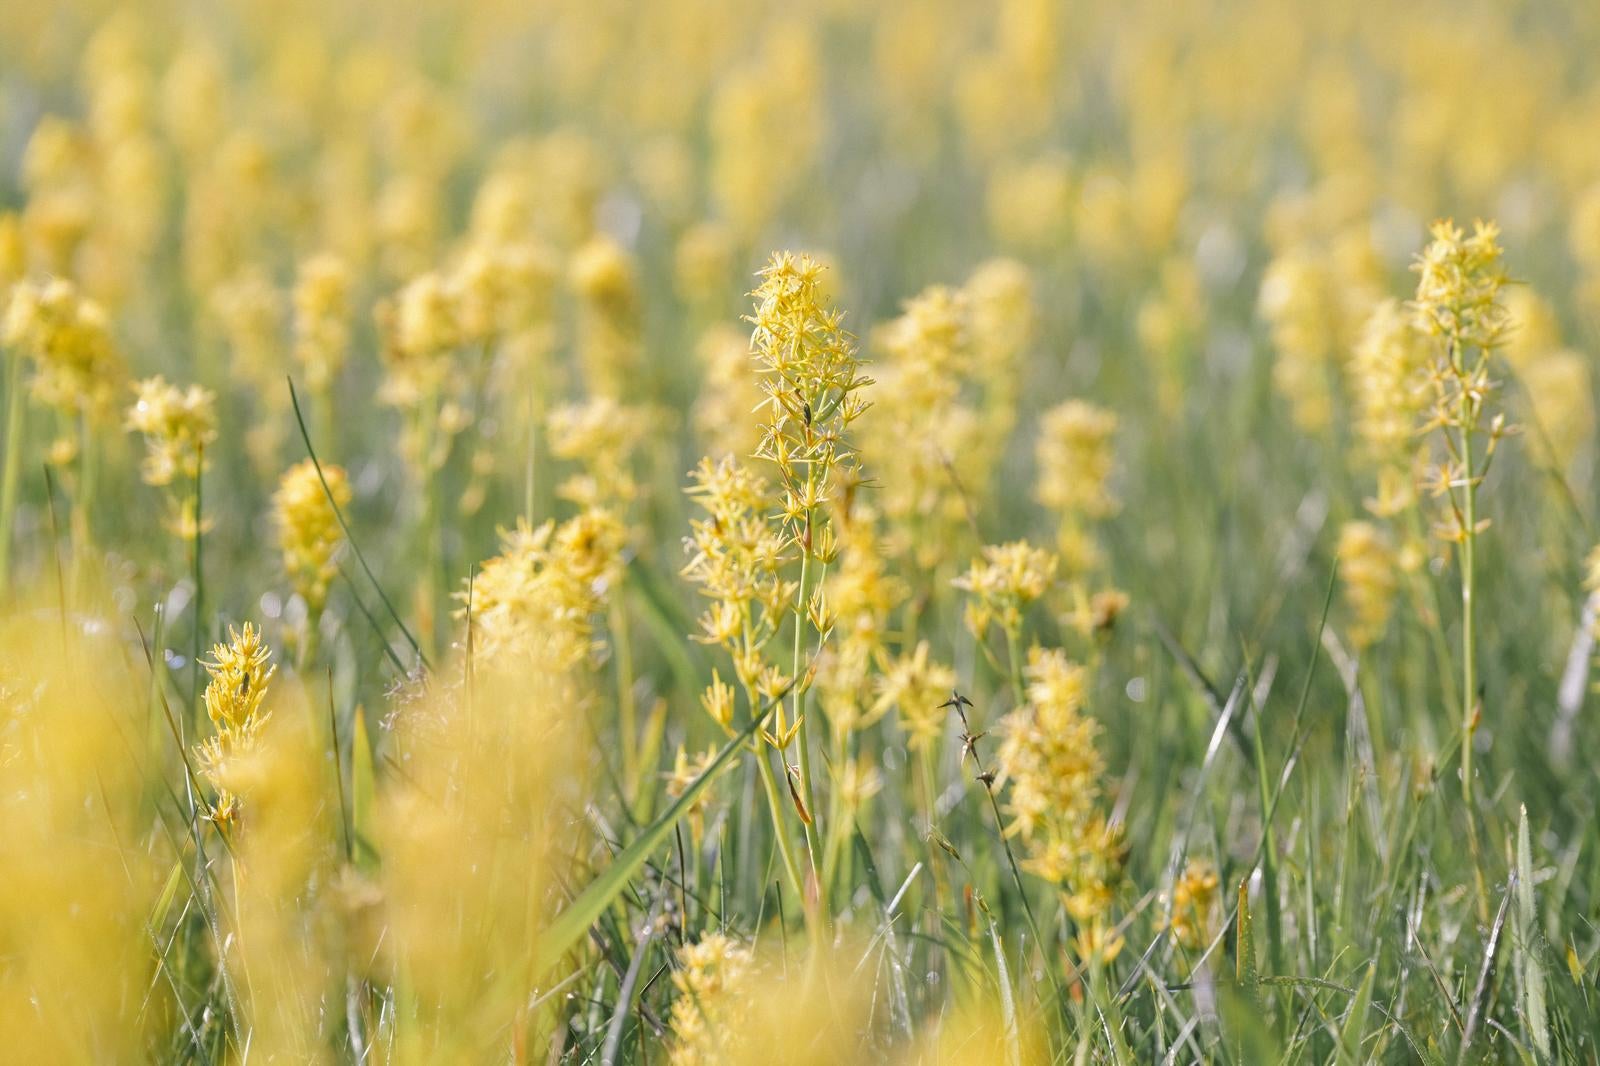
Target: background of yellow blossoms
{"type": "Point", "coordinates": [860, 531]}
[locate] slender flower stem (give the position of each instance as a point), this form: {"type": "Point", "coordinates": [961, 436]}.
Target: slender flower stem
{"type": "Point", "coordinates": [1468, 642]}
{"type": "Point", "coordinates": [801, 687]}
{"type": "Point", "coordinates": [1014, 655]}
{"type": "Point", "coordinates": [1469, 661]}
{"type": "Point", "coordinates": [15, 416]}
{"type": "Point", "coordinates": [197, 575]}
{"type": "Point", "coordinates": [88, 476]}
{"type": "Point", "coordinates": [628, 711]}
{"type": "Point", "coordinates": [769, 784]}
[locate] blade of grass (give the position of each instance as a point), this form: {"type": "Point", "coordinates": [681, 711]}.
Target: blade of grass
{"type": "Point", "coordinates": [571, 924]}
{"type": "Point", "coordinates": [1524, 930]}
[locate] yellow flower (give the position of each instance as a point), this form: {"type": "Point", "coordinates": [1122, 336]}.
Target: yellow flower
{"type": "Point", "coordinates": [177, 425]}
{"type": "Point", "coordinates": [543, 591]}
{"type": "Point", "coordinates": [810, 377]}
{"type": "Point", "coordinates": [1075, 457]}
{"type": "Point", "coordinates": [918, 689]}
{"type": "Point", "coordinates": [602, 435]}
{"type": "Point", "coordinates": [1388, 371]}
{"type": "Point", "coordinates": [77, 367]}
{"type": "Point", "coordinates": [1191, 912]}
{"type": "Point", "coordinates": [240, 675]}
{"type": "Point", "coordinates": [1367, 569]}
{"type": "Point", "coordinates": [1459, 279]}
{"type": "Point", "coordinates": [718, 701]}
{"type": "Point", "coordinates": [1004, 582]}
{"type": "Point", "coordinates": [1050, 765]}
{"type": "Point", "coordinates": [729, 393]}
{"type": "Point", "coordinates": [421, 329]}
{"type": "Point", "coordinates": [605, 278]}
{"type": "Point", "coordinates": [322, 318]}
{"type": "Point", "coordinates": [308, 529]}
{"type": "Point", "coordinates": [240, 671]}
{"type": "Point", "coordinates": [712, 985]}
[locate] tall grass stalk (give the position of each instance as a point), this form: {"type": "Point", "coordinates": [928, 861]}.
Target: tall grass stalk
{"type": "Point", "coordinates": [16, 414]}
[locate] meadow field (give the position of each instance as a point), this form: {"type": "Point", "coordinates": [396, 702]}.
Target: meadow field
{"type": "Point", "coordinates": [869, 531]}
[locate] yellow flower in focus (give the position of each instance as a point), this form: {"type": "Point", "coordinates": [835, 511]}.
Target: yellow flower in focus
{"type": "Point", "coordinates": [1050, 765]}
{"type": "Point", "coordinates": [240, 673]}
{"type": "Point", "coordinates": [1459, 279]}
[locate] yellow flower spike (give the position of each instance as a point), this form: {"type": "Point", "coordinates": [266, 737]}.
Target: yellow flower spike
{"type": "Point", "coordinates": [1459, 279]}
{"type": "Point", "coordinates": [322, 318]}
{"type": "Point", "coordinates": [77, 366]}
{"type": "Point", "coordinates": [309, 535]}
{"type": "Point", "coordinates": [1368, 571]}
{"type": "Point", "coordinates": [177, 424]}
{"type": "Point", "coordinates": [240, 672]}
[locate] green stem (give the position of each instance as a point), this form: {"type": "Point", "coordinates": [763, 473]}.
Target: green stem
{"type": "Point", "coordinates": [15, 417]}
{"type": "Point", "coordinates": [769, 783]}
{"type": "Point", "coordinates": [628, 710]}
{"type": "Point", "coordinates": [432, 544]}
{"type": "Point", "coordinates": [801, 687]}
{"type": "Point", "coordinates": [198, 575]}
{"type": "Point", "coordinates": [88, 475]}
{"type": "Point", "coordinates": [310, 640]}
{"type": "Point", "coordinates": [1014, 655]}
{"type": "Point", "coordinates": [1469, 664]}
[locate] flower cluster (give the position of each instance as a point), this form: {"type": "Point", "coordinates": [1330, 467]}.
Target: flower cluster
{"type": "Point", "coordinates": [945, 399]}
{"type": "Point", "coordinates": [1192, 910]}
{"type": "Point", "coordinates": [603, 436]}
{"type": "Point", "coordinates": [1075, 456]}
{"type": "Point", "coordinates": [1458, 304]}
{"type": "Point", "coordinates": [1459, 279]}
{"type": "Point", "coordinates": [544, 589]}
{"type": "Point", "coordinates": [712, 983]}
{"type": "Point", "coordinates": [810, 379]}
{"type": "Point", "coordinates": [1388, 376]}
{"type": "Point", "coordinates": [738, 560]}
{"type": "Point", "coordinates": [178, 424]}
{"type": "Point", "coordinates": [1050, 761]}
{"type": "Point", "coordinates": [240, 674]}
{"type": "Point", "coordinates": [1004, 582]}
{"type": "Point", "coordinates": [917, 688]}
{"type": "Point", "coordinates": [322, 318]}
{"type": "Point", "coordinates": [1368, 570]}
{"type": "Point", "coordinates": [309, 535]}
{"type": "Point", "coordinates": [77, 366]}
{"type": "Point", "coordinates": [604, 277]}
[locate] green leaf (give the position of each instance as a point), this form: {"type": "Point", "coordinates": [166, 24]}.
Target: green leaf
{"type": "Point", "coordinates": [571, 924]}
{"type": "Point", "coordinates": [1245, 961]}
{"type": "Point", "coordinates": [1008, 1005]}
{"type": "Point", "coordinates": [363, 786]}
{"type": "Point", "coordinates": [1355, 1023]}
{"type": "Point", "coordinates": [1524, 929]}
